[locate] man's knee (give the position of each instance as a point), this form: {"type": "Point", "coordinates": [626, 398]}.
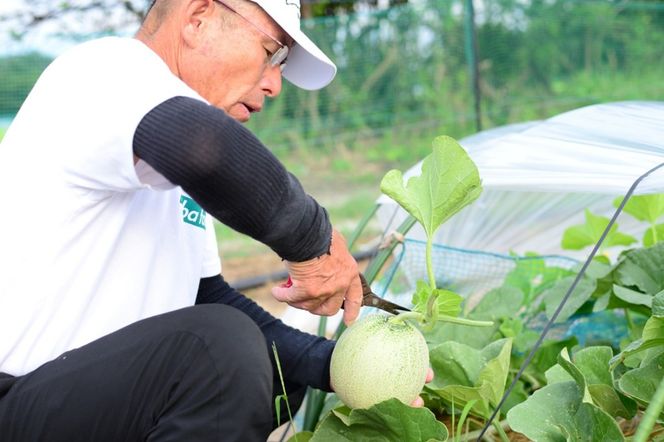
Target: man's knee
{"type": "Point", "coordinates": [231, 337]}
{"type": "Point", "coordinates": [231, 369]}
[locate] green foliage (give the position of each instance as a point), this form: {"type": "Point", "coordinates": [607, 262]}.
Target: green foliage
{"type": "Point", "coordinates": [389, 421]}
{"type": "Point", "coordinates": [448, 183]}
{"type": "Point", "coordinates": [564, 409]}
{"type": "Point", "coordinates": [592, 364]}
{"type": "Point", "coordinates": [403, 74]}
{"type": "Point", "coordinates": [558, 397]}
{"type": "Point", "coordinates": [642, 269]}
{"type": "Point", "coordinates": [19, 74]}
{"type": "Point", "coordinates": [446, 303]}
{"type": "Point", "coordinates": [284, 395]}
{"type": "Point", "coordinates": [584, 235]}
{"type": "Point", "coordinates": [647, 208]}
{"type": "Point", "coordinates": [464, 374]}
{"type": "Point", "coordinates": [532, 276]}
{"type": "Point", "coordinates": [581, 294]}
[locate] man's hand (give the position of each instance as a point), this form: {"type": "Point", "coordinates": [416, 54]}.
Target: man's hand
{"type": "Point", "coordinates": [322, 284]}
{"type": "Point", "coordinates": [419, 402]}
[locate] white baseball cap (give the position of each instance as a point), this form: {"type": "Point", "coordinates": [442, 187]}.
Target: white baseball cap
{"type": "Point", "coordinates": [307, 66]}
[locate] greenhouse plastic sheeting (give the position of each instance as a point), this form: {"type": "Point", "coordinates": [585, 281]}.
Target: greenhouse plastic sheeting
{"type": "Point", "coordinates": [539, 177]}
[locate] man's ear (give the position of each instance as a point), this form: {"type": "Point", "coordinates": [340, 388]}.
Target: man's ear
{"type": "Point", "coordinates": [198, 16]}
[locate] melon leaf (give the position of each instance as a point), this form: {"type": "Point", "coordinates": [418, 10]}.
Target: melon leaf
{"type": "Point", "coordinates": [449, 182]}
{"type": "Point", "coordinates": [390, 421]}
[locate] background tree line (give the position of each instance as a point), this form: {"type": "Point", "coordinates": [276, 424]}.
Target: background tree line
{"type": "Point", "coordinates": [404, 70]}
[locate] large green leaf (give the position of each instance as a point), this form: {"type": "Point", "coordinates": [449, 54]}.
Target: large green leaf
{"type": "Point", "coordinates": [593, 362]}
{"type": "Point", "coordinates": [302, 436]}
{"type": "Point", "coordinates": [499, 303]}
{"type": "Point", "coordinates": [464, 373]}
{"type": "Point", "coordinates": [476, 337]}
{"type": "Point", "coordinates": [590, 370]}
{"type": "Point", "coordinates": [532, 276]}
{"type": "Point", "coordinates": [565, 410]}
{"type": "Point", "coordinates": [658, 305]}
{"type": "Point", "coordinates": [554, 296]}
{"type": "Point", "coordinates": [455, 364]}
{"type": "Point", "coordinates": [388, 421]}
{"type": "Point", "coordinates": [556, 413]}
{"type": "Point", "coordinates": [583, 235]}
{"type": "Point", "coordinates": [648, 208]}
{"type": "Point", "coordinates": [632, 296]}
{"type": "Point", "coordinates": [634, 348]}
{"type": "Point", "coordinates": [641, 383]}
{"type": "Point", "coordinates": [449, 182]}
{"type": "Point", "coordinates": [642, 268]}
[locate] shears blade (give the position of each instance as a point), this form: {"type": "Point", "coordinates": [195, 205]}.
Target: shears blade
{"type": "Point", "coordinates": [370, 299]}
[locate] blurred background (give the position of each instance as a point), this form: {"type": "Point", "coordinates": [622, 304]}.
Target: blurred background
{"type": "Point", "coordinates": [409, 70]}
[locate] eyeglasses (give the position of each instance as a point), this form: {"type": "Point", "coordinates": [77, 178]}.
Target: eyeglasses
{"type": "Point", "coordinates": [277, 58]}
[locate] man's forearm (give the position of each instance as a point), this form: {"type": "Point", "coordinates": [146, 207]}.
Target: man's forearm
{"type": "Point", "coordinates": [233, 176]}
{"type": "Point", "coordinates": [305, 358]}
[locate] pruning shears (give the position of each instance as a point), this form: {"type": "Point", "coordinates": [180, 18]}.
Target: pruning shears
{"type": "Point", "coordinates": [370, 299]}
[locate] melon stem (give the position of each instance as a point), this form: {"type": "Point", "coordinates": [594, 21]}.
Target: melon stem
{"type": "Point", "coordinates": [403, 317]}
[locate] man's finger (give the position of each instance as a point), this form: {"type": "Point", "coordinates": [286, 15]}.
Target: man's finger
{"type": "Point", "coordinates": [328, 308]}
{"type": "Point", "coordinates": [353, 301]}
{"type": "Point", "coordinates": [429, 377]}
{"type": "Point", "coordinates": [418, 402]}
{"type": "Point", "coordinates": [282, 294]}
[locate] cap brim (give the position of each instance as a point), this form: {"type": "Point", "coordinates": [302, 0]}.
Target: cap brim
{"type": "Point", "coordinates": [306, 66]}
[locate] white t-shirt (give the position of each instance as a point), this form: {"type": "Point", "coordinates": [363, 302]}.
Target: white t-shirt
{"type": "Point", "coordinates": [89, 241]}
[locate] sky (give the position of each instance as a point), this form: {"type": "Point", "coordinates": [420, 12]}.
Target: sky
{"type": "Point", "coordinates": [36, 40]}
{"type": "Point", "coordinates": [43, 38]}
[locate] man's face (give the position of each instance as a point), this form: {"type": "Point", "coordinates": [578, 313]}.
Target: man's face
{"type": "Point", "coordinates": [230, 67]}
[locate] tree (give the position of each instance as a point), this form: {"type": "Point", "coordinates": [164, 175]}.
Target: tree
{"type": "Point", "coordinates": [75, 16]}
{"type": "Point", "coordinates": [103, 16]}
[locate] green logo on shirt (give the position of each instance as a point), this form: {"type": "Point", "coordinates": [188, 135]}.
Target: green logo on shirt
{"type": "Point", "coordinates": [192, 213]}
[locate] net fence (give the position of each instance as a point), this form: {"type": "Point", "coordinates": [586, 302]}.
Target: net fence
{"type": "Point", "coordinates": [474, 273]}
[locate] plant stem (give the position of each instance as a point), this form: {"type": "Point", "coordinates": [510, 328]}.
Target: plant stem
{"type": "Point", "coordinates": [455, 439]}
{"type": "Point", "coordinates": [651, 414]}
{"type": "Point", "coordinates": [402, 317]}
{"type": "Point", "coordinates": [283, 387]}
{"type": "Point", "coordinates": [473, 435]}
{"type": "Point", "coordinates": [653, 227]}
{"type": "Point", "coordinates": [532, 380]}
{"type": "Point", "coordinates": [630, 322]}
{"type": "Point", "coordinates": [501, 432]}
{"type": "Point", "coordinates": [429, 261]}
{"type": "Point", "coordinates": [464, 321]}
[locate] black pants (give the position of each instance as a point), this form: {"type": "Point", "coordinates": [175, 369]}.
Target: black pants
{"type": "Point", "coordinates": [197, 374]}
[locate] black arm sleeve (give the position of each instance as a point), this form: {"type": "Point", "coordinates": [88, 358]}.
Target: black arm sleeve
{"type": "Point", "coordinates": [233, 176]}
{"type": "Point", "coordinates": [305, 358]}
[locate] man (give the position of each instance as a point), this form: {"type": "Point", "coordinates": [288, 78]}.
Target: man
{"type": "Point", "coordinates": [109, 171]}
{"type": "Point", "coordinates": [110, 167]}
